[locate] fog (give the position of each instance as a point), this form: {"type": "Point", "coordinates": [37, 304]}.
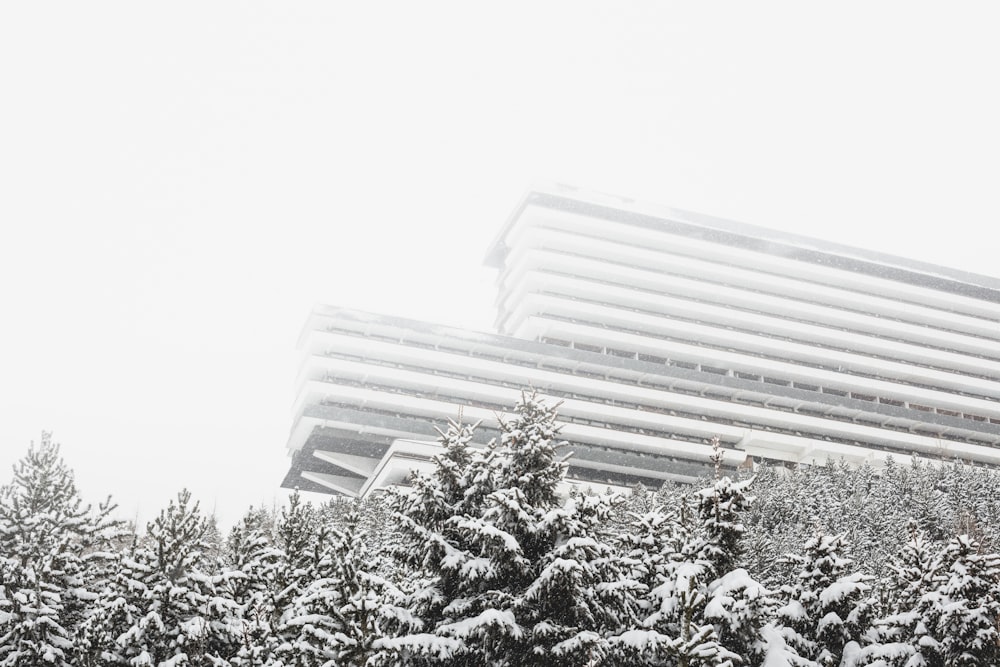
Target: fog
{"type": "Point", "coordinates": [179, 184]}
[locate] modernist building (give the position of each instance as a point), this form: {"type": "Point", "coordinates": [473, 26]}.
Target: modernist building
{"type": "Point", "coordinates": [658, 330]}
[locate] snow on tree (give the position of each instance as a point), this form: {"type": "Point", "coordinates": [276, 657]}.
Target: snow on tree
{"type": "Point", "coordinates": [301, 538]}
{"type": "Point", "coordinates": [574, 591]}
{"type": "Point", "coordinates": [178, 618]}
{"type": "Point", "coordinates": [639, 501]}
{"type": "Point", "coordinates": [581, 591]}
{"type": "Point", "coordinates": [900, 638]}
{"type": "Point", "coordinates": [424, 514]}
{"type": "Point", "coordinates": [775, 651]}
{"type": "Point", "coordinates": [969, 605]}
{"type": "Point", "coordinates": [738, 605]}
{"type": "Point", "coordinates": [251, 563]}
{"type": "Point", "coordinates": [720, 508]}
{"type": "Point", "coordinates": [54, 555]}
{"type": "Point", "coordinates": [343, 614]}
{"type": "Point", "coordinates": [827, 606]}
{"type": "Point", "coordinates": [518, 576]}
{"type": "Point", "coordinates": [872, 520]}
{"type": "Point", "coordinates": [700, 609]}
{"type": "Point", "coordinates": [117, 611]}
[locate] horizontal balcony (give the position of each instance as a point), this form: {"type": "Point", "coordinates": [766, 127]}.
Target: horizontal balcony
{"type": "Point", "coordinates": [635, 239]}
{"type": "Point", "coordinates": [544, 315]}
{"type": "Point", "coordinates": [713, 413]}
{"type": "Point", "coordinates": [540, 270]}
{"type": "Point", "coordinates": [553, 368]}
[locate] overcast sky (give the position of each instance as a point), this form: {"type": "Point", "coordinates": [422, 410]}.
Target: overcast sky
{"type": "Point", "coordinates": [180, 182]}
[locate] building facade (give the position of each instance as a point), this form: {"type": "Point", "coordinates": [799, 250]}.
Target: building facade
{"type": "Point", "coordinates": [659, 330]}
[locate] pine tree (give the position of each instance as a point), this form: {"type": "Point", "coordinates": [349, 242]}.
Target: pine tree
{"type": "Point", "coordinates": [343, 615]}
{"type": "Point", "coordinates": [118, 610]}
{"type": "Point", "coordinates": [301, 540]}
{"type": "Point", "coordinates": [425, 514]}
{"type": "Point", "coordinates": [777, 523]}
{"type": "Point", "coordinates": [902, 638]}
{"type": "Point", "coordinates": [179, 620]}
{"type": "Point", "coordinates": [700, 609]}
{"type": "Point", "coordinates": [970, 605]}
{"type": "Point", "coordinates": [827, 607]}
{"type": "Point", "coordinates": [737, 605]}
{"type": "Point", "coordinates": [517, 575]}
{"type": "Point", "coordinates": [547, 561]}
{"type": "Point", "coordinates": [53, 558]}
{"type": "Point", "coordinates": [313, 616]}
{"type": "Point", "coordinates": [720, 508]}
{"type": "Point", "coordinates": [252, 562]}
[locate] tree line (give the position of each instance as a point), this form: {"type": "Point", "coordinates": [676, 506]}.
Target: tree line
{"type": "Point", "coordinates": [487, 560]}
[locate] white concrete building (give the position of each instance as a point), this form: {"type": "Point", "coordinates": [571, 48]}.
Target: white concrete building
{"type": "Point", "coordinates": [660, 329]}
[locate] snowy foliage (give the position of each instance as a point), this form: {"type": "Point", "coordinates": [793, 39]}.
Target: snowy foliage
{"type": "Point", "coordinates": [484, 562]}
{"type": "Point", "coordinates": [54, 556]}
{"type": "Point", "coordinates": [162, 607]}
{"type": "Point", "coordinates": [514, 571]}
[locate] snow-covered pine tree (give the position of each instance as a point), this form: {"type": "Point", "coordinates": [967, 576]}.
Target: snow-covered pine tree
{"type": "Point", "coordinates": [697, 597]}
{"type": "Point", "coordinates": [651, 545]}
{"type": "Point", "coordinates": [384, 538]}
{"type": "Point", "coordinates": [344, 613]}
{"type": "Point", "coordinates": [424, 514]}
{"type": "Point", "coordinates": [776, 524]}
{"type": "Point", "coordinates": [519, 577]}
{"type": "Point", "coordinates": [775, 651]}
{"type": "Point", "coordinates": [901, 638]}
{"type": "Point", "coordinates": [440, 554]}
{"type": "Point", "coordinates": [54, 556]}
{"type": "Point", "coordinates": [923, 499]}
{"type": "Point", "coordinates": [181, 621]}
{"type": "Point", "coordinates": [251, 561]}
{"type": "Point", "coordinates": [970, 605]}
{"type": "Point", "coordinates": [721, 508]}
{"type": "Point", "coordinates": [639, 501]}
{"type": "Point", "coordinates": [737, 605]}
{"type": "Point", "coordinates": [827, 607]}
{"type": "Point", "coordinates": [651, 541]}
{"type": "Point", "coordinates": [873, 523]}
{"type": "Point", "coordinates": [301, 539]}
{"type": "Point", "coordinates": [427, 543]}
{"type": "Point", "coordinates": [118, 609]}
{"type": "Point", "coordinates": [214, 542]}
{"type": "Point", "coordinates": [582, 593]}
{"type": "Point", "coordinates": [544, 586]}
{"type": "Point", "coordinates": [313, 616]}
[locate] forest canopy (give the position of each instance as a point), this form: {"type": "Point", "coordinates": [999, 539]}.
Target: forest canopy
{"type": "Point", "coordinates": [488, 559]}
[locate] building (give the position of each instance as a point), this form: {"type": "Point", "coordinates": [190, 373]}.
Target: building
{"type": "Point", "coordinates": [659, 330]}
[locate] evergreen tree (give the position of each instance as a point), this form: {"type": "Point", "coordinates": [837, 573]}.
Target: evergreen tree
{"type": "Point", "coordinates": [970, 604]}
{"type": "Point", "coordinates": [301, 540]}
{"type": "Point", "coordinates": [313, 618]}
{"type": "Point", "coordinates": [179, 620]}
{"type": "Point", "coordinates": [827, 607]}
{"type": "Point", "coordinates": [53, 559]}
{"type": "Point", "coordinates": [344, 613]}
{"type": "Point", "coordinates": [902, 637]}
{"type": "Point", "coordinates": [738, 605]}
{"type": "Point", "coordinates": [518, 576]}
{"type": "Point", "coordinates": [720, 508]}
{"type": "Point", "coordinates": [103, 638]}
{"type": "Point", "coordinates": [252, 562]}
{"type": "Point", "coordinates": [699, 609]}
{"type": "Point", "coordinates": [425, 514]}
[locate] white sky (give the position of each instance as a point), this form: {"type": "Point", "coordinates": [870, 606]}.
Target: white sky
{"type": "Point", "coordinates": [180, 182]}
